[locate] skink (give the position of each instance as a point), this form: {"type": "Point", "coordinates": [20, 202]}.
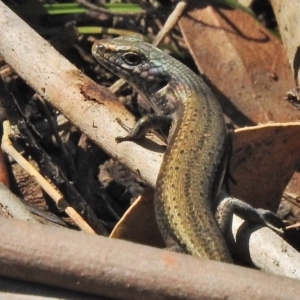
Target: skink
{"type": "Point", "coordinates": [195, 159]}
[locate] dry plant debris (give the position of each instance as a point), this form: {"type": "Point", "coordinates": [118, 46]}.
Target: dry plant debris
{"type": "Point", "coordinates": [246, 66]}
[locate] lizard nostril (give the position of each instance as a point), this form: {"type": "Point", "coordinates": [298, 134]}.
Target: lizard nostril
{"type": "Point", "coordinates": [100, 48]}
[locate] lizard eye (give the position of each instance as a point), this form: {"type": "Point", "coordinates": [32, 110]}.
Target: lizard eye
{"type": "Point", "coordinates": [132, 58]}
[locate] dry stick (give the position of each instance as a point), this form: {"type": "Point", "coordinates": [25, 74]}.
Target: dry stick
{"type": "Point", "coordinates": [89, 106]}
{"type": "Point", "coordinates": [69, 163]}
{"type": "Point", "coordinates": [13, 206]}
{"type": "Point", "coordinates": [287, 16]}
{"type": "Point", "coordinates": [114, 268]}
{"type": "Point", "coordinates": [11, 289]}
{"type": "Point", "coordinates": [7, 146]}
{"type": "Point", "coordinates": [171, 22]}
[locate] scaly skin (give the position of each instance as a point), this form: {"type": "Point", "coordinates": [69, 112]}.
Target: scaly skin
{"type": "Point", "coordinates": [193, 165]}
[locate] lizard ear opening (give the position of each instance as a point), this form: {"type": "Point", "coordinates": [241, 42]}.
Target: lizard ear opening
{"type": "Point", "coordinates": [132, 58]}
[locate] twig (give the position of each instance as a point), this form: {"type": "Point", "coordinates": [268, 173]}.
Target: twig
{"type": "Point", "coordinates": [71, 170]}
{"type": "Point", "coordinates": [7, 146]}
{"type": "Point", "coordinates": [13, 206]}
{"type": "Point", "coordinates": [170, 23]}
{"type": "Point", "coordinates": [11, 289]}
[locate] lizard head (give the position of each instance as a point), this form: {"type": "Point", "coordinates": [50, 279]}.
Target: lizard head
{"type": "Point", "coordinates": [139, 63]}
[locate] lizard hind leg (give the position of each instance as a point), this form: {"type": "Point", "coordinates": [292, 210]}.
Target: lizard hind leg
{"type": "Point", "coordinates": [228, 206]}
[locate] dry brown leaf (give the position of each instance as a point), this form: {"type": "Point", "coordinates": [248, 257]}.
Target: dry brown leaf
{"type": "Point", "coordinates": [263, 161]}
{"type": "Point", "coordinates": [138, 224]}
{"type": "Point", "coordinates": [244, 62]}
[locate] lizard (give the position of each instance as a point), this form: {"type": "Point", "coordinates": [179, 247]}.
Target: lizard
{"type": "Point", "coordinates": [195, 160]}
